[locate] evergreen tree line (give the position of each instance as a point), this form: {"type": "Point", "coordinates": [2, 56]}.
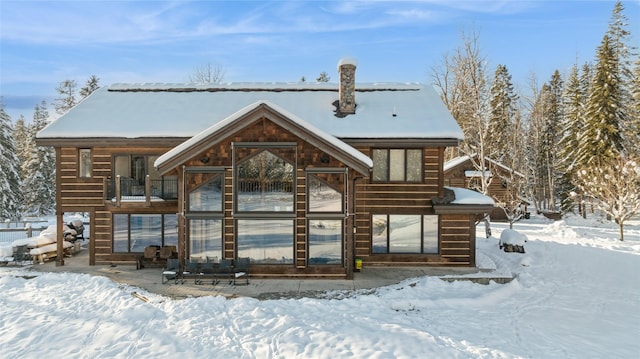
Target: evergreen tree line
{"type": "Point", "coordinates": [585, 123]}
{"type": "Point", "coordinates": [28, 178]}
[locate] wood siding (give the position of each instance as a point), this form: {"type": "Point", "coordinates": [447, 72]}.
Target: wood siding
{"type": "Point", "coordinates": [365, 198]}
{"type": "Point", "coordinates": [457, 232]}
{"type": "Point", "coordinates": [75, 194]}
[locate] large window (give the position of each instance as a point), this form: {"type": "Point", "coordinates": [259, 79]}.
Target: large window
{"type": "Point", "coordinates": [264, 181]}
{"type": "Point", "coordinates": [205, 238]}
{"type": "Point", "coordinates": [397, 165]}
{"type": "Point", "coordinates": [325, 241]}
{"type": "Point", "coordinates": [325, 217]}
{"type": "Point", "coordinates": [265, 184]}
{"type": "Point", "coordinates": [133, 232]}
{"type": "Point", "coordinates": [404, 233]}
{"type": "Point", "coordinates": [265, 241]}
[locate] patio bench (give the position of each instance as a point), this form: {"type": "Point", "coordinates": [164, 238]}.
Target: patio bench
{"type": "Point", "coordinates": [192, 270]}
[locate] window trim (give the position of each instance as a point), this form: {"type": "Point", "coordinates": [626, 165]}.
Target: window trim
{"type": "Point", "coordinates": [422, 235]}
{"type": "Point", "coordinates": [292, 221]}
{"type": "Point", "coordinates": [264, 147]}
{"type": "Point", "coordinates": [217, 174]}
{"type": "Point", "coordinates": [81, 164]}
{"type": "Point", "coordinates": [342, 242]}
{"type": "Point", "coordinates": [204, 218]}
{"type": "Point", "coordinates": [406, 168]}
{"type": "Point", "coordinates": [314, 172]}
{"type": "Point", "coordinates": [129, 214]}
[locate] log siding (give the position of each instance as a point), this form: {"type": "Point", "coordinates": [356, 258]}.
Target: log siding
{"type": "Point", "coordinates": [362, 196]}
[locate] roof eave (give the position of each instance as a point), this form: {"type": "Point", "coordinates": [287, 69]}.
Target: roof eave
{"type": "Point", "coordinates": [235, 122]}
{"type": "Point", "coordinates": [462, 208]}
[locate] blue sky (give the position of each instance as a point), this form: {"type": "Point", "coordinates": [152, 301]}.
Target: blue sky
{"type": "Point", "coordinates": [46, 42]}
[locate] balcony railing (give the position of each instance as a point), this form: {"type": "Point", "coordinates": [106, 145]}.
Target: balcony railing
{"type": "Point", "coordinates": [128, 189]}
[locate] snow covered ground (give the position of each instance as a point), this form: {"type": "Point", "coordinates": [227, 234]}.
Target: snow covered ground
{"type": "Point", "coordinates": [576, 295]}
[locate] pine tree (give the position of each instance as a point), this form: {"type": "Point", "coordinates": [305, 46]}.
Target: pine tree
{"type": "Point", "coordinates": [537, 140]}
{"type": "Point", "coordinates": [503, 105]}
{"type": "Point", "coordinates": [618, 40]}
{"type": "Point", "coordinates": [21, 137]}
{"type": "Point", "coordinates": [619, 43]}
{"type": "Point", "coordinates": [67, 91]}
{"type": "Point", "coordinates": [10, 191]}
{"type": "Point", "coordinates": [324, 77]}
{"type": "Point", "coordinates": [602, 136]}
{"type": "Point", "coordinates": [634, 112]}
{"type": "Point", "coordinates": [39, 168]}
{"type": "Point", "coordinates": [92, 84]}
{"type": "Point", "coordinates": [545, 127]}
{"type": "Point", "coordinates": [574, 101]}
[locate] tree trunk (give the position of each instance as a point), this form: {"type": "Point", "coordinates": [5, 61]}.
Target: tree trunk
{"type": "Point", "coordinates": [621, 231]}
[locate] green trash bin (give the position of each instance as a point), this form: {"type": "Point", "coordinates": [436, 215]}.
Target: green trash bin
{"type": "Point", "coordinates": [358, 265]}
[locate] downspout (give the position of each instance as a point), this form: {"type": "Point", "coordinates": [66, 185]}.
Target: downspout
{"type": "Point", "coordinates": [351, 224]}
{"type": "Point", "coordinates": [183, 225]}
{"type": "Point", "coordinates": [59, 212]}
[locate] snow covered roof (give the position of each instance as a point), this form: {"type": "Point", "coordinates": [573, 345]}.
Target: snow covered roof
{"type": "Point", "coordinates": [462, 159]}
{"type": "Point", "coordinates": [471, 173]}
{"type": "Point", "coordinates": [196, 140]}
{"type": "Point", "coordinates": [183, 110]}
{"type": "Point", "coordinates": [467, 196]}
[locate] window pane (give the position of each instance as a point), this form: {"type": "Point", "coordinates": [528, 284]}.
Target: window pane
{"type": "Point", "coordinates": [85, 163]}
{"type": "Point", "coordinates": [380, 165]}
{"type": "Point", "coordinates": [396, 165]}
{"type": "Point", "coordinates": [430, 233]}
{"type": "Point", "coordinates": [146, 230]}
{"type": "Point", "coordinates": [266, 241]}
{"type": "Point", "coordinates": [379, 233]}
{"type": "Point", "coordinates": [325, 242]}
{"type": "Point", "coordinates": [120, 233]}
{"type": "Point", "coordinates": [138, 169]}
{"type": "Point", "coordinates": [207, 197]}
{"type": "Point", "coordinates": [322, 197]}
{"type": "Point", "coordinates": [171, 230]}
{"type": "Point", "coordinates": [414, 165]}
{"type": "Point", "coordinates": [205, 238]}
{"type": "Point", "coordinates": [122, 166]}
{"type": "Point", "coordinates": [404, 233]}
{"type": "Point", "coordinates": [265, 184]}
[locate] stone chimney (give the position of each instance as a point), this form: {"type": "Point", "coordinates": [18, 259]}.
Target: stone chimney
{"type": "Point", "coordinates": [347, 90]}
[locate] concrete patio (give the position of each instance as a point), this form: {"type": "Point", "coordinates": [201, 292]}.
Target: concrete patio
{"type": "Point", "coordinates": [150, 279]}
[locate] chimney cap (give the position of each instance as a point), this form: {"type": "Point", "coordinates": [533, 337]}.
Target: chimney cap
{"type": "Point", "coordinates": [347, 61]}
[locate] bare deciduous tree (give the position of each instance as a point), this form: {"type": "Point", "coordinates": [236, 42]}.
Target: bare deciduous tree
{"type": "Point", "coordinates": [462, 81]}
{"type": "Point", "coordinates": [207, 74]}
{"type": "Point", "coordinates": [615, 187]}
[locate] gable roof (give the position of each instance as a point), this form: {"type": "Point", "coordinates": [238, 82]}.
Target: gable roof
{"type": "Point", "coordinates": [460, 160]}
{"type": "Point", "coordinates": [184, 110]}
{"type": "Point", "coordinates": [309, 133]}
